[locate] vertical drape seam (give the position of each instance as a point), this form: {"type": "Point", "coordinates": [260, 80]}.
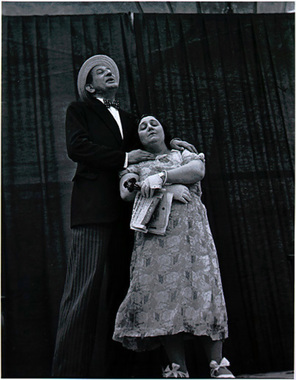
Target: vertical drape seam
{"type": "Point", "coordinates": [169, 98]}
{"type": "Point", "coordinates": [227, 191]}
{"type": "Point", "coordinates": [226, 187]}
{"type": "Point", "coordinates": [277, 90]}
{"type": "Point", "coordinates": [259, 192]}
{"type": "Point", "coordinates": [265, 229]}
{"type": "Point", "coordinates": [275, 129]}
{"type": "Point", "coordinates": [235, 184]}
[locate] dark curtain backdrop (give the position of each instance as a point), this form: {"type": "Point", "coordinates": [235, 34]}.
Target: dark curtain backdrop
{"type": "Point", "coordinates": [224, 83]}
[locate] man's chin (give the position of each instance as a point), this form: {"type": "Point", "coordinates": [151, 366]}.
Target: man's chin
{"type": "Point", "coordinates": [112, 85]}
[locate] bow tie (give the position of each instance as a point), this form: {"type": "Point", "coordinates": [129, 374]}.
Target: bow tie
{"type": "Point", "coordinates": [111, 103]}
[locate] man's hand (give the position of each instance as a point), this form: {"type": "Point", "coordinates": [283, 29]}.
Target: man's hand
{"type": "Point", "coordinates": [139, 155]}
{"type": "Point", "coordinates": [181, 145]}
{"type": "Point", "coordinates": [181, 193]}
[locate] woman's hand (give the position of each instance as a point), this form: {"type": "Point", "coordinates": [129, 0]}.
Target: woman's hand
{"type": "Point", "coordinates": [150, 184]}
{"type": "Point", "coordinates": [181, 193]}
{"type": "Point", "coordinates": [181, 145]}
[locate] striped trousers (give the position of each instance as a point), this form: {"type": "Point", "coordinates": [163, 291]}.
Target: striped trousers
{"type": "Point", "coordinates": [96, 282]}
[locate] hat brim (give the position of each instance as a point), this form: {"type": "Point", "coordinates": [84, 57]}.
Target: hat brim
{"type": "Point", "coordinates": [88, 65]}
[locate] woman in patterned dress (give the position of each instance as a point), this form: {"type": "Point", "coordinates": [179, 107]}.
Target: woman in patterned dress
{"type": "Point", "coordinates": [175, 286]}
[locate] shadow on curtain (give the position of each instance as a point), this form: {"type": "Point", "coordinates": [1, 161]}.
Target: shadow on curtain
{"type": "Point", "coordinates": [224, 83]}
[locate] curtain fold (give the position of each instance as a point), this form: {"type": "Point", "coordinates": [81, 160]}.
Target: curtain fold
{"type": "Point", "coordinates": [224, 83]}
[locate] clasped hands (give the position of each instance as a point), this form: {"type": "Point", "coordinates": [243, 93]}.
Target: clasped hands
{"type": "Point", "coordinates": [153, 182]}
{"type": "Point", "coordinates": [150, 184]}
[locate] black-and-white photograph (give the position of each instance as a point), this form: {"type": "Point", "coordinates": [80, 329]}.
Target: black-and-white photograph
{"type": "Point", "coordinates": [148, 189]}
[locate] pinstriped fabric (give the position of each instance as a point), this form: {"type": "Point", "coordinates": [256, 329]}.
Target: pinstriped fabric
{"type": "Point", "coordinates": [79, 304]}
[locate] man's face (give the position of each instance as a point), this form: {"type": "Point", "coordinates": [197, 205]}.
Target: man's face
{"type": "Point", "coordinates": [103, 79]}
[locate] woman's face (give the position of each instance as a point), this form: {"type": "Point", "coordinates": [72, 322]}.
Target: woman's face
{"type": "Point", "coordinates": [150, 131]}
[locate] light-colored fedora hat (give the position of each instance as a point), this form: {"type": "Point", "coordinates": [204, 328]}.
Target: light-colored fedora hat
{"type": "Point", "coordinates": [88, 65]}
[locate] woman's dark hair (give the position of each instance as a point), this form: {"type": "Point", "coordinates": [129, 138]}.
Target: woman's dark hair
{"type": "Point", "coordinates": [167, 135]}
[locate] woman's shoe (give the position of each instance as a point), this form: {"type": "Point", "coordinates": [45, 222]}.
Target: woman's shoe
{"type": "Point", "coordinates": [174, 373]}
{"type": "Point", "coordinates": [219, 371]}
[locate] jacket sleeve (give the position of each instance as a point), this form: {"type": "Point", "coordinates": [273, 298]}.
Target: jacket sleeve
{"type": "Point", "coordinates": [81, 149]}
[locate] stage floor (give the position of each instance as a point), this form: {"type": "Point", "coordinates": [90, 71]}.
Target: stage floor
{"type": "Point", "coordinates": [269, 375]}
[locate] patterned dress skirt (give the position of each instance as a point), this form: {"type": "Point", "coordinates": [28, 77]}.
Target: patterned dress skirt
{"type": "Point", "coordinates": [175, 283]}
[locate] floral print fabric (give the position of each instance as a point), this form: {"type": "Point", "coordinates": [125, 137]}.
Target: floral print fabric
{"type": "Point", "coordinates": [175, 283]}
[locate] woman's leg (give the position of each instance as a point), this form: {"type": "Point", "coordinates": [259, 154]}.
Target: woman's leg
{"type": "Point", "coordinates": [174, 348]}
{"type": "Point", "coordinates": [213, 349]}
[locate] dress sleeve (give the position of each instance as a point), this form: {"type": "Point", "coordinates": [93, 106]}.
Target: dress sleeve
{"type": "Point", "coordinates": [135, 168]}
{"type": "Point", "coordinates": [189, 156]}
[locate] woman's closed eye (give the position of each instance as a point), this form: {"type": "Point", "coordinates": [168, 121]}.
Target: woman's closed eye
{"type": "Point", "coordinates": [144, 125]}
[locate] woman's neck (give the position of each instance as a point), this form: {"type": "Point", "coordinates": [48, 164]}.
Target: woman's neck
{"type": "Point", "coordinates": [157, 148]}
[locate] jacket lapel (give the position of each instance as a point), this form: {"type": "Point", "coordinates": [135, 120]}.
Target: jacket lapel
{"type": "Point", "coordinates": [102, 111]}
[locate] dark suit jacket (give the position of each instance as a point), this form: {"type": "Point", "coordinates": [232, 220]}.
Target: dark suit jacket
{"type": "Point", "coordinates": [94, 142]}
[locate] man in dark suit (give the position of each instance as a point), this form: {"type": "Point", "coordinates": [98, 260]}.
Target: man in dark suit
{"type": "Point", "coordinates": [100, 138]}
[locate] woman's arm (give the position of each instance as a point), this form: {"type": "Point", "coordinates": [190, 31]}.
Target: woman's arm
{"type": "Point", "coordinates": [191, 172]}
{"type": "Point", "coordinates": [125, 193]}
